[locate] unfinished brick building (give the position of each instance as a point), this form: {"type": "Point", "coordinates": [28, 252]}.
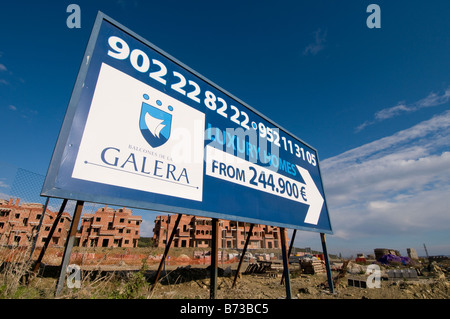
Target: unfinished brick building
{"type": "Point", "coordinates": [109, 227]}
{"type": "Point", "coordinates": [19, 223]}
{"type": "Point", "coordinates": [194, 231]}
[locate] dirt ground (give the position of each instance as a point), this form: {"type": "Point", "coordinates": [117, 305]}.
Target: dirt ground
{"type": "Point", "coordinates": [196, 286]}
{"type": "Point", "coordinates": [129, 275]}
{"type": "Point", "coordinates": [193, 282]}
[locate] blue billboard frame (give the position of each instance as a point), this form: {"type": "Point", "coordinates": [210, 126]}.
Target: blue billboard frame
{"type": "Point", "coordinates": [60, 184]}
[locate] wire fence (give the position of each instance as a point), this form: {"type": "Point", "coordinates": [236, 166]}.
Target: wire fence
{"type": "Point", "coordinates": [21, 188]}
{"type": "Point", "coordinates": [26, 187]}
{"type": "Point", "coordinates": [20, 191]}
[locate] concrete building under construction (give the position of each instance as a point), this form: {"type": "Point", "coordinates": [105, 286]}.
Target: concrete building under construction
{"type": "Point", "coordinates": [19, 224]}
{"type": "Point", "coordinates": [109, 227]}
{"type": "Point", "coordinates": [194, 231]}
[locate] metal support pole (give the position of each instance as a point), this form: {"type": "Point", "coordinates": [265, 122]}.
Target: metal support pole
{"type": "Point", "coordinates": [224, 232]}
{"type": "Point", "coordinates": [166, 251]}
{"type": "Point", "coordinates": [327, 262]}
{"type": "Point", "coordinates": [285, 263]}
{"type": "Point", "coordinates": [243, 254]}
{"type": "Point", "coordinates": [167, 237]}
{"type": "Point", "coordinates": [289, 253]}
{"type": "Point", "coordinates": [50, 235]}
{"type": "Point", "coordinates": [426, 252]}
{"type": "Point", "coordinates": [69, 245]}
{"type": "Point", "coordinates": [33, 245]}
{"type": "Point", "coordinates": [214, 258]}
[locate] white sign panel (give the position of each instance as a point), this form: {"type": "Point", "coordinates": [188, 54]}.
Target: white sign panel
{"type": "Point", "coordinates": [107, 156]}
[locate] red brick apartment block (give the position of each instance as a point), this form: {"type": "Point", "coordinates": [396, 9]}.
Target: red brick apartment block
{"type": "Point", "coordinates": [108, 227]}
{"type": "Point", "coordinates": [196, 231]}
{"type": "Point", "coordinates": [18, 224]}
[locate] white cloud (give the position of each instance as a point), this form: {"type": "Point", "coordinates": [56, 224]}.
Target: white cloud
{"type": "Point", "coordinates": [399, 184]}
{"type": "Point", "coordinates": [146, 229]}
{"type": "Point", "coordinates": [433, 99]}
{"type": "Point", "coordinates": [5, 196]}
{"type": "Point", "coordinates": [392, 111]}
{"type": "Point", "coordinates": [435, 132]}
{"type": "Point", "coordinates": [24, 112]}
{"type": "Point", "coordinates": [319, 43]}
{"type": "Point", "coordinates": [3, 69]}
{"type": "Point", "coordinates": [2, 183]}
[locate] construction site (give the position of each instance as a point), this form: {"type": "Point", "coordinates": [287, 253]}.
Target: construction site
{"type": "Point", "coordinates": [173, 150]}
{"type": "Point", "coordinates": [107, 262]}
{"type": "Point", "coordinates": [130, 273]}
{"type": "Point", "coordinates": [120, 273]}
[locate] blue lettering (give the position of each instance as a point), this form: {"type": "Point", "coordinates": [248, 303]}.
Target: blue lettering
{"type": "Point", "coordinates": [274, 159]}
{"type": "Point", "coordinates": [170, 169]}
{"type": "Point", "coordinates": [230, 140]}
{"type": "Point", "coordinates": [240, 175]}
{"type": "Point", "coordinates": [214, 165]}
{"type": "Point", "coordinates": [143, 166]}
{"type": "Point", "coordinates": [240, 149]}
{"type": "Point", "coordinates": [184, 173]}
{"type": "Point", "coordinates": [222, 169]}
{"type": "Point", "coordinates": [294, 171]}
{"type": "Point", "coordinates": [228, 171]}
{"type": "Point", "coordinates": [251, 150]}
{"type": "Point", "coordinates": [110, 156]}
{"type": "Point", "coordinates": [208, 131]}
{"type": "Point", "coordinates": [157, 168]}
{"type": "Point", "coordinates": [284, 165]}
{"type": "Point", "coordinates": [116, 159]}
{"type": "Point", "coordinates": [219, 136]}
{"type": "Point", "coordinates": [130, 159]}
{"type": "Point", "coordinates": [287, 167]}
{"type": "Point", "coordinates": [266, 158]}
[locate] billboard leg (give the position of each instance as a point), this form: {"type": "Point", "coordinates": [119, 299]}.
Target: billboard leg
{"type": "Point", "coordinates": [289, 253]}
{"type": "Point", "coordinates": [50, 235]}
{"type": "Point", "coordinates": [214, 258]}
{"type": "Point", "coordinates": [327, 262]}
{"type": "Point", "coordinates": [69, 245]}
{"type": "Point", "coordinates": [33, 245]}
{"type": "Point", "coordinates": [243, 254]}
{"type": "Point", "coordinates": [285, 263]}
{"type": "Point", "coordinates": [166, 251]}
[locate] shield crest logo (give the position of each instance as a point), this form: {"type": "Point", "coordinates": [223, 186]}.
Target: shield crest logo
{"type": "Point", "coordinates": [155, 123]}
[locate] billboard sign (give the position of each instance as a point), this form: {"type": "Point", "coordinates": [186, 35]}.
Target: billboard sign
{"type": "Point", "coordinates": [143, 130]}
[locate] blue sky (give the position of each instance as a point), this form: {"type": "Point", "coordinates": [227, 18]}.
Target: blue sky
{"type": "Point", "coordinates": [374, 102]}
